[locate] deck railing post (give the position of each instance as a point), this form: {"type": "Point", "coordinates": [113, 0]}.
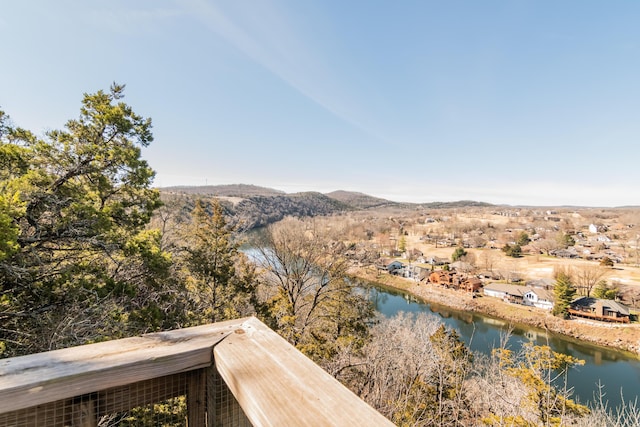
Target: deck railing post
{"type": "Point", "coordinates": [196, 398]}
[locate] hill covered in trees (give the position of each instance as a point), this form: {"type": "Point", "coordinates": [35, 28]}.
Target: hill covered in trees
{"type": "Point", "coordinates": [360, 200]}
{"type": "Point", "coordinates": [231, 190]}
{"type": "Point", "coordinates": [250, 206]}
{"type": "Point", "coordinates": [259, 211]}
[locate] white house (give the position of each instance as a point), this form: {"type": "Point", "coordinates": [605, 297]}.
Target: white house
{"type": "Point", "coordinates": [533, 297]}
{"type": "Point", "coordinates": [415, 272]}
{"type": "Point", "coordinates": [540, 298]}
{"type": "Point", "coordinates": [389, 265]}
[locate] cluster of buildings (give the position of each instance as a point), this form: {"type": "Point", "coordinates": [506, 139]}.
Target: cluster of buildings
{"type": "Point", "coordinates": [453, 280]}
{"type": "Point", "coordinates": [536, 293]}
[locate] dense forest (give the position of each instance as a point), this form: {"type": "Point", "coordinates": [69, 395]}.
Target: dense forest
{"type": "Point", "coordinates": [249, 207]}
{"type": "Point", "coordinates": [90, 252]}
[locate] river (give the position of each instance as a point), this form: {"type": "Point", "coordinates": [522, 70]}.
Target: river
{"type": "Point", "coordinates": [614, 369]}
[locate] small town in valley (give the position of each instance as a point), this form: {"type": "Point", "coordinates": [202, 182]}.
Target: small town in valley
{"type": "Point", "coordinates": [488, 259]}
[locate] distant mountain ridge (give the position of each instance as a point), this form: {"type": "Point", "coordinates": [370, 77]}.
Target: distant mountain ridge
{"type": "Point", "coordinates": [251, 206]}
{"type": "Point", "coordinates": [231, 190]}
{"type": "Point", "coordinates": [359, 200]}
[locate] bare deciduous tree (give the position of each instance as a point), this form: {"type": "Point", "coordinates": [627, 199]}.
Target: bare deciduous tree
{"type": "Point", "coordinates": [309, 299]}
{"type": "Point", "coordinates": [488, 260]}
{"type": "Point", "coordinates": [547, 245]}
{"type": "Point", "coordinates": [586, 276]}
{"type": "Point", "coordinates": [414, 372]}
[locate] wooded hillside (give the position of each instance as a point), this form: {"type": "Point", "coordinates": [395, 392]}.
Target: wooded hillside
{"type": "Point", "coordinates": [250, 206]}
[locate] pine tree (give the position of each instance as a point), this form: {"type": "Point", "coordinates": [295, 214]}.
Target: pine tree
{"type": "Point", "coordinates": [523, 239]}
{"type": "Point", "coordinates": [603, 291]}
{"type": "Point", "coordinates": [564, 292]}
{"type": "Point", "coordinates": [402, 244]}
{"type": "Point", "coordinates": [220, 281]}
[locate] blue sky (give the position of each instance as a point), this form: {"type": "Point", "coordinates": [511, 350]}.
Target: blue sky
{"type": "Point", "coordinates": [514, 101]}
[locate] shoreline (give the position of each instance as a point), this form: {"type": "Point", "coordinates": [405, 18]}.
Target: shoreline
{"type": "Point", "coordinates": [619, 336]}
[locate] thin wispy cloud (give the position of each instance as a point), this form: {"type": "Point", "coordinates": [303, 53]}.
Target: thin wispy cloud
{"type": "Point", "coordinates": [415, 100]}
{"type": "Point", "coordinates": [266, 34]}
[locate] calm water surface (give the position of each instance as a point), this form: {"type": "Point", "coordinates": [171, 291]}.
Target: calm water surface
{"type": "Point", "coordinates": [617, 371]}
{"type": "Point", "coordinates": [614, 369]}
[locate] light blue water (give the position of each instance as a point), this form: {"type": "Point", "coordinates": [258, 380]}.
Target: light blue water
{"type": "Point", "coordinates": [614, 369]}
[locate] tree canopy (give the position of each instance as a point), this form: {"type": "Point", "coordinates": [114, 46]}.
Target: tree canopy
{"type": "Point", "coordinates": [220, 281]}
{"type": "Point", "coordinates": [523, 239]}
{"type": "Point", "coordinates": [565, 240]}
{"type": "Point", "coordinates": [543, 373]}
{"type": "Point", "coordinates": [73, 210]}
{"type": "Point", "coordinates": [514, 251]}
{"type": "Point", "coordinates": [602, 290]}
{"type": "Point", "coordinates": [458, 253]}
{"type": "Point", "coordinates": [606, 262]}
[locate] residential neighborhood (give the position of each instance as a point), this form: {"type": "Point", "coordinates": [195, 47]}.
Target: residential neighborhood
{"type": "Point", "coordinates": [514, 254]}
{"type": "Point", "coordinates": [535, 293]}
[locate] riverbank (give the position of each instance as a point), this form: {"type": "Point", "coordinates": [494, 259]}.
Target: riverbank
{"type": "Point", "coordinates": [620, 336]}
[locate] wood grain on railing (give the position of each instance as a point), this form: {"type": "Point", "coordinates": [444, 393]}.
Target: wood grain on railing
{"type": "Point", "coordinates": [276, 385]}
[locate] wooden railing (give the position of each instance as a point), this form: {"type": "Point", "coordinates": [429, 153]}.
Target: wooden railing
{"type": "Point", "coordinates": [591, 315]}
{"type": "Point", "coordinates": [232, 373]}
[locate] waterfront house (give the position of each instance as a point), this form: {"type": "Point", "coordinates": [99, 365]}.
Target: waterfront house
{"type": "Point", "coordinates": [538, 297]}
{"type": "Point", "coordinates": [389, 265]}
{"type": "Point", "coordinates": [442, 277]}
{"type": "Point", "coordinates": [600, 309]}
{"type": "Point", "coordinates": [526, 295]}
{"type": "Point", "coordinates": [451, 279]}
{"type": "Point", "coordinates": [506, 292]}
{"type": "Point", "coordinates": [471, 284]}
{"type": "Point", "coordinates": [415, 272]}
{"type": "Point", "coordinates": [395, 266]}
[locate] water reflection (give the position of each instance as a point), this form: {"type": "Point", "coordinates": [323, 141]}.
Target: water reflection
{"type": "Point", "coordinates": [614, 369]}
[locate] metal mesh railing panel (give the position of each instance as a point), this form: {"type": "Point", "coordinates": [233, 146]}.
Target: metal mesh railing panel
{"type": "Point", "coordinates": [157, 402]}
{"type": "Point", "coordinates": [223, 408]}
{"type": "Point", "coordinates": [163, 401]}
